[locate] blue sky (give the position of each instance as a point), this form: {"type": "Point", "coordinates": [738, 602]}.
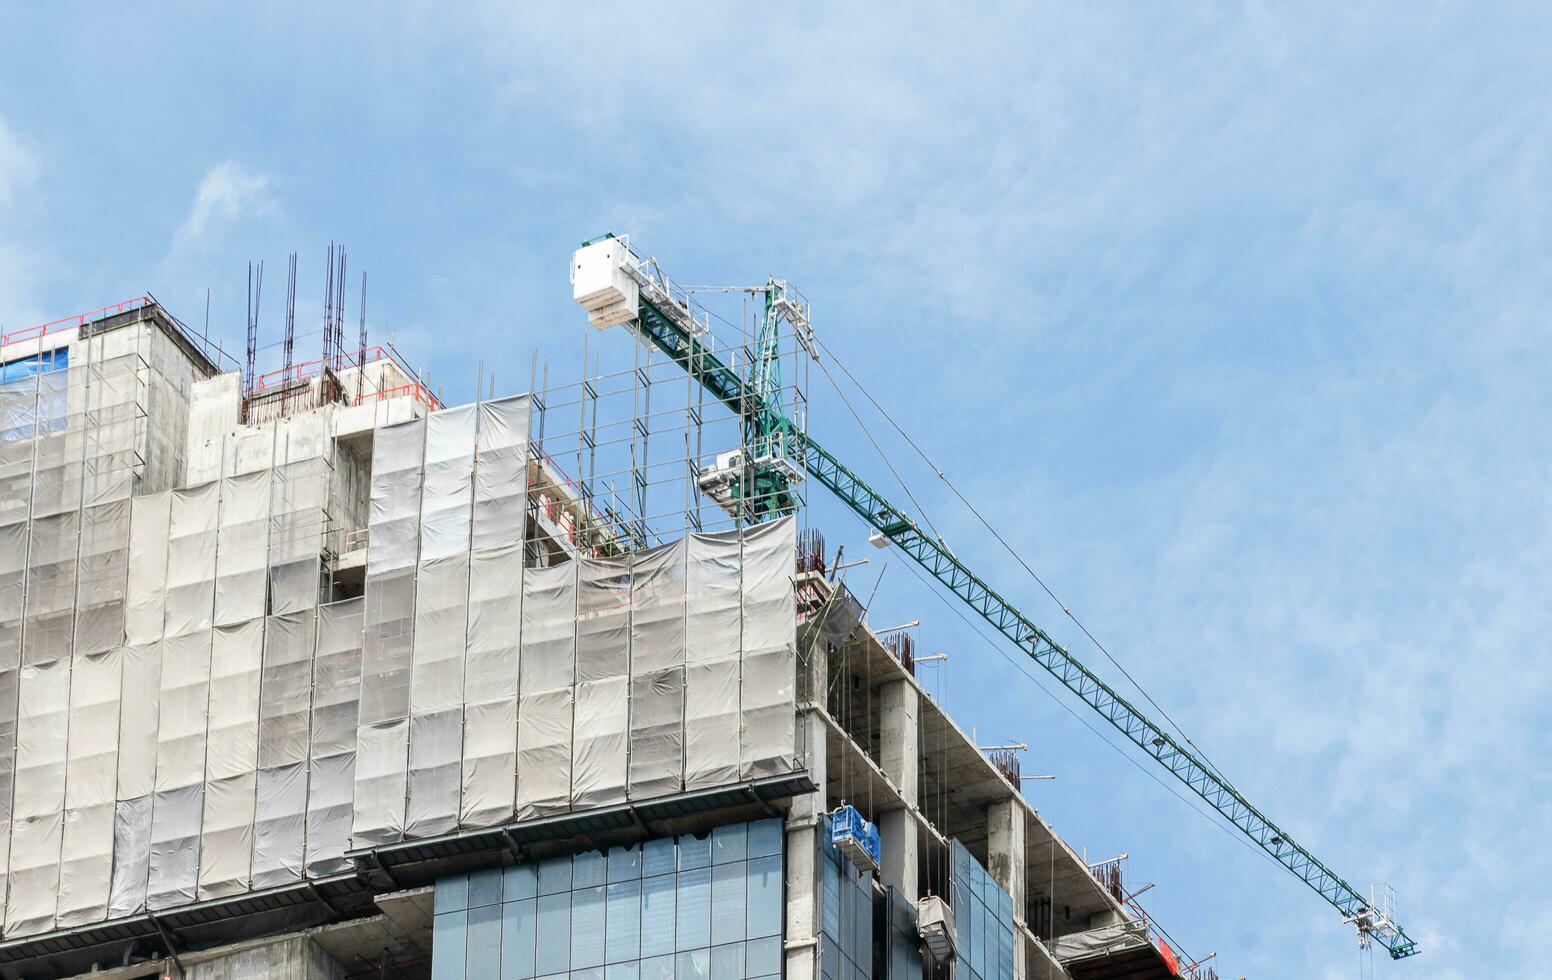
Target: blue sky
{"type": "Point", "coordinates": [1232, 317]}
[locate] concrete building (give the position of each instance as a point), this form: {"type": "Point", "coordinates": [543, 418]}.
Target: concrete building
{"type": "Point", "coordinates": [312, 676]}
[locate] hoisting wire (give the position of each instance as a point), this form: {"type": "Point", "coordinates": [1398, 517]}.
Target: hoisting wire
{"type": "Point", "coordinates": [1006, 546]}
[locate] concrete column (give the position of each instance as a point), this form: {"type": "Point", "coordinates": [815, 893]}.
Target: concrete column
{"type": "Point", "coordinates": [802, 874]}
{"type": "Point", "coordinates": [291, 958]}
{"type": "Point", "coordinates": [1005, 863]}
{"type": "Point", "coordinates": [899, 748]}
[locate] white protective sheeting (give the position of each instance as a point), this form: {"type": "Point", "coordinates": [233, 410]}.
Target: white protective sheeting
{"type": "Point", "coordinates": [231, 756]}
{"type": "Point", "coordinates": [713, 633]}
{"type": "Point", "coordinates": [441, 623]}
{"type": "Point", "coordinates": [91, 781]}
{"type": "Point", "coordinates": [600, 733]}
{"type": "Point", "coordinates": [299, 516]}
{"type": "Point", "coordinates": [545, 699]}
{"type": "Point", "coordinates": [51, 568]}
{"type": "Point", "coordinates": [242, 546]}
{"type": "Point", "coordinates": [191, 560]}
{"type": "Point", "coordinates": [491, 652]}
{"type": "Point", "coordinates": [139, 722]}
{"type": "Point", "coordinates": [102, 572]}
{"type": "Point", "coordinates": [178, 801]}
{"type": "Point", "coordinates": [38, 810]}
{"type": "Point", "coordinates": [150, 519]}
{"type": "Point", "coordinates": [388, 634]}
{"type": "Point", "coordinates": [285, 709]}
{"type": "Point", "coordinates": [332, 750]}
{"type": "Point", "coordinates": [657, 671]}
{"type": "Point", "coordinates": [768, 687]}
{"type": "Point", "coordinates": [9, 680]}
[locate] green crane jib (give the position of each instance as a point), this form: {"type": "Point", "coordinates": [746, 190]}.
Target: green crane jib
{"type": "Point", "coordinates": [617, 288]}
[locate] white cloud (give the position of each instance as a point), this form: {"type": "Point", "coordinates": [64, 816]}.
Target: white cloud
{"type": "Point", "coordinates": [228, 192]}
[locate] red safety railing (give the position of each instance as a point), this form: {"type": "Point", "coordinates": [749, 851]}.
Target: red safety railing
{"type": "Point", "coordinates": [78, 320]}
{"type": "Point", "coordinates": [280, 377]}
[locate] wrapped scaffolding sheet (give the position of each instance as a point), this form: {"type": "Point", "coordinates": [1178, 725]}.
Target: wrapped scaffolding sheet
{"type": "Point", "coordinates": [388, 633]}
{"type": "Point", "coordinates": [9, 680]}
{"type": "Point", "coordinates": [91, 782]}
{"type": "Point", "coordinates": [13, 577]}
{"type": "Point", "coordinates": [191, 560]}
{"type": "Point", "coordinates": [242, 544]}
{"type": "Point", "coordinates": [112, 413]}
{"type": "Point", "coordinates": [150, 519]}
{"type": "Point", "coordinates": [545, 701]}
{"type": "Point", "coordinates": [60, 446]}
{"type": "Point", "coordinates": [768, 705]}
{"type": "Point", "coordinates": [495, 613]}
{"type": "Point", "coordinates": [441, 622]}
{"type": "Point", "coordinates": [285, 707]}
{"type": "Point", "coordinates": [713, 635]}
{"type": "Point", "coordinates": [177, 805]}
{"type": "Point", "coordinates": [657, 671]}
{"type": "Point", "coordinates": [332, 750]}
{"type": "Point", "coordinates": [139, 721]}
{"type": "Point", "coordinates": [102, 577]}
{"type": "Point", "coordinates": [231, 758]}
{"type": "Point", "coordinates": [51, 568]}
{"type": "Point", "coordinates": [600, 733]}
{"type": "Point", "coordinates": [299, 517]}
{"type": "Point", "coordinates": [38, 809]}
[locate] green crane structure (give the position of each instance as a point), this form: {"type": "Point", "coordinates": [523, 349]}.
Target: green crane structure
{"type": "Point", "coordinates": [777, 452]}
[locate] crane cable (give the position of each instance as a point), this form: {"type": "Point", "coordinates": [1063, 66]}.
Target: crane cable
{"type": "Point", "coordinates": [1000, 540]}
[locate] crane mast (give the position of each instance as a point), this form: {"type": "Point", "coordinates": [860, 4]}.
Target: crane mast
{"type": "Point", "coordinates": [618, 288]}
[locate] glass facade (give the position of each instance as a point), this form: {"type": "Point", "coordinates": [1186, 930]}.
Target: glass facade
{"type": "Point", "coordinates": [983, 921]}
{"type": "Point", "coordinates": [685, 908]}
{"type": "Point", "coordinates": [845, 915]}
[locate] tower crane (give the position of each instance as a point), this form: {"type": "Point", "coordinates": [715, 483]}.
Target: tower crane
{"type": "Point", "coordinates": [754, 483]}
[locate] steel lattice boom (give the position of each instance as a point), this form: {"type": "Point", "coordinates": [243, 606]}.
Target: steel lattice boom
{"type": "Point", "coordinates": [667, 323]}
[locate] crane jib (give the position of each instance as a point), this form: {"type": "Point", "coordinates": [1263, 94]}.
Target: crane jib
{"type": "Point", "coordinates": [725, 384]}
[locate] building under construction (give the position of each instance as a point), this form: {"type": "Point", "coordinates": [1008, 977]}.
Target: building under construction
{"type": "Point", "coordinates": [310, 675]}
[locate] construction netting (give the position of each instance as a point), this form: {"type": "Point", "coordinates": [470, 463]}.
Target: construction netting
{"type": "Point", "coordinates": [184, 714]}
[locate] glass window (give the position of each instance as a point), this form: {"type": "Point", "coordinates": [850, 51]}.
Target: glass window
{"type": "Point", "coordinates": [727, 962]}
{"type": "Point", "coordinates": [518, 930]}
{"type": "Point", "coordinates": [694, 852]}
{"type": "Point", "coordinates": [554, 875]}
{"type": "Point", "coordinates": [485, 887]}
{"type": "Point", "coordinates": [730, 843]}
{"type": "Point", "coordinates": [659, 857]}
{"type": "Point", "coordinates": [447, 938]}
{"type": "Point", "coordinates": [623, 971]}
{"type": "Point", "coordinates": [483, 958]}
{"type": "Point", "coordinates": [765, 837]}
{"type": "Point", "coordinates": [657, 968]}
{"type": "Point", "coordinates": [596, 973]}
{"type": "Point", "coordinates": [694, 964]}
{"type": "Point", "coordinates": [452, 893]}
{"type": "Point", "coordinates": [764, 876]}
{"type": "Point", "coordinates": [587, 927]}
{"type": "Point", "coordinates": [588, 870]}
{"type": "Point", "coordinates": [623, 916]}
{"type": "Point", "coordinates": [657, 915]}
{"type": "Point", "coordinates": [624, 863]}
{"type": "Point", "coordinates": [553, 950]}
{"type": "Point", "coordinates": [519, 882]}
{"type": "Point", "coordinates": [694, 925]}
{"type": "Point", "coordinates": [763, 957]}
{"type": "Point", "coordinates": [830, 899]}
{"type": "Point", "coordinates": [727, 903]}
